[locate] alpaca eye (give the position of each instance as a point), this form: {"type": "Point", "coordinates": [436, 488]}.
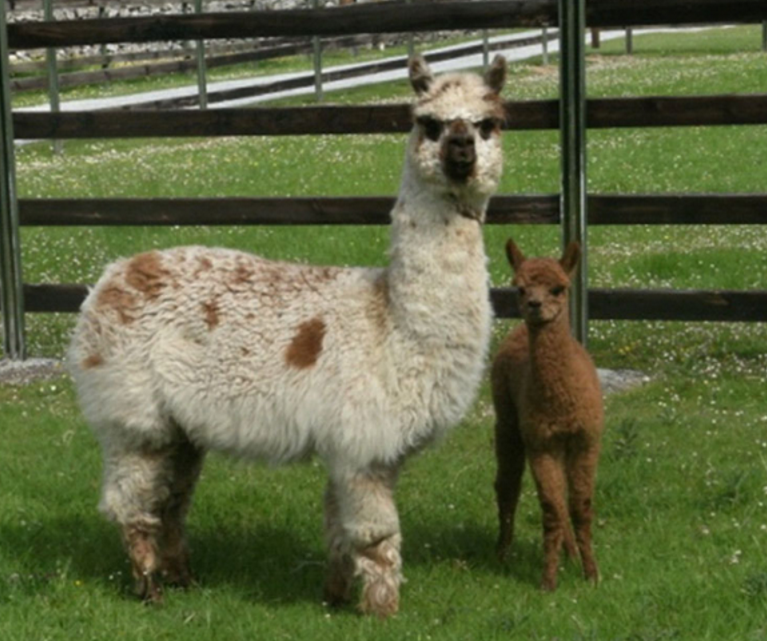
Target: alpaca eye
{"type": "Point", "coordinates": [521, 291]}
{"type": "Point", "coordinates": [557, 291]}
{"type": "Point", "coordinates": [431, 127]}
{"type": "Point", "coordinates": [487, 127]}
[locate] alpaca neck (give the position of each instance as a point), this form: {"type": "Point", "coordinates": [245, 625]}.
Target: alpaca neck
{"type": "Point", "coordinates": [437, 263]}
{"type": "Point", "coordinates": [550, 345]}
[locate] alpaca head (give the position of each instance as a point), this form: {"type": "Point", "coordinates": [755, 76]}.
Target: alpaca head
{"type": "Point", "coordinates": [543, 283]}
{"type": "Point", "coordinates": [455, 146]}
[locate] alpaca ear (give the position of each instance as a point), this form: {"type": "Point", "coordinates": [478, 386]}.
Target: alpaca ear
{"type": "Point", "coordinates": [420, 74]}
{"type": "Point", "coordinates": [514, 255]}
{"type": "Point", "coordinates": [570, 258]}
{"type": "Point", "coordinates": [495, 76]}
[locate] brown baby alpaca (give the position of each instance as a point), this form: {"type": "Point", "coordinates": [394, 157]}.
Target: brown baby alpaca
{"type": "Point", "coordinates": [548, 405]}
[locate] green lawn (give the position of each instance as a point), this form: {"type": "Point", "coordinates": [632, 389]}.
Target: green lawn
{"type": "Point", "coordinates": [682, 491]}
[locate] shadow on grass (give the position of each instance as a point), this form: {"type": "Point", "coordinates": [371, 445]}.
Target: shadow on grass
{"type": "Point", "coordinates": [472, 546]}
{"type": "Point", "coordinates": [263, 564]}
{"type": "Point", "coordinates": [269, 565]}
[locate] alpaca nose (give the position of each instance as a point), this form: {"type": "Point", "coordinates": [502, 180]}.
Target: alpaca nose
{"type": "Point", "coordinates": [461, 148]}
{"type": "Point", "coordinates": [534, 304]}
{"type": "Point", "coordinates": [460, 155]}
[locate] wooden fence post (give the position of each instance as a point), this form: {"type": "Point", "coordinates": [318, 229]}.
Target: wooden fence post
{"type": "Point", "coordinates": [545, 45]}
{"type": "Point", "coordinates": [629, 40]}
{"type": "Point", "coordinates": [764, 36]}
{"type": "Point", "coordinates": [11, 287]}
{"type": "Point", "coordinates": [202, 85]}
{"type": "Point", "coordinates": [53, 75]}
{"type": "Point", "coordinates": [572, 123]}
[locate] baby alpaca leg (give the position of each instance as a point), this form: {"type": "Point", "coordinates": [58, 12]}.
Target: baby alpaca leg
{"type": "Point", "coordinates": [371, 528]}
{"type": "Point", "coordinates": [510, 458]}
{"type": "Point", "coordinates": [581, 472]}
{"type": "Point", "coordinates": [186, 460]}
{"type": "Point", "coordinates": [136, 486]}
{"type": "Point", "coordinates": [550, 482]}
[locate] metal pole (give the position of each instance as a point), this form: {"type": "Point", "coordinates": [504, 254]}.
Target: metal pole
{"type": "Point", "coordinates": [53, 75]}
{"type": "Point", "coordinates": [317, 47]}
{"type": "Point", "coordinates": [485, 49]}
{"type": "Point", "coordinates": [202, 84]}
{"type": "Point", "coordinates": [572, 123]}
{"type": "Point", "coordinates": [629, 40]}
{"type": "Point", "coordinates": [545, 45]}
{"type": "Point", "coordinates": [11, 287]}
{"type": "Point", "coordinates": [764, 36]}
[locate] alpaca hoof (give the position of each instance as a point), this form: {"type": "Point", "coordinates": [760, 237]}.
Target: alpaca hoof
{"type": "Point", "coordinates": [178, 577]}
{"type": "Point", "coordinates": [148, 590]}
{"type": "Point", "coordinates": [333, 598]}
{"type": "Point", "coordinates": [380, 599]}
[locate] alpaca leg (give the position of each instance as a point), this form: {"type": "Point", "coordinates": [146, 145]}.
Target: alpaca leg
{"type": "Point", "coordinates": [136, 486]}
{"type": "Point", "coordinates": [550, 482]}
{"type": "Point", "coordinates": [581, 472]}
{"type": "Point", "coordinates": [186, 460]}
{"type": "Point", "coordinates": [510, 457]}
{"type": "Point", "coordinates": [370, 526]}
{"type": "Point", "coordinates": [341, 564]}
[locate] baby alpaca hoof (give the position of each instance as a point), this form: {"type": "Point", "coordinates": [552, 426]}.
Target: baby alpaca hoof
{"type": "Point", "coordinates": [549, 584]}
{"type": "Point", "coordinates": [380, 599]}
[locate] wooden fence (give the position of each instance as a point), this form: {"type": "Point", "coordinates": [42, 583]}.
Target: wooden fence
{"type": "Point", "coordinates": [380, 18]}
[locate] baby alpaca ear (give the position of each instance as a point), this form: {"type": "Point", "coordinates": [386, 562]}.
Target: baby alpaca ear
{"type": "Point", "coordinates": [420, 74]}
{"type": "Point", "coordinates": [514, 255]}
{"type": "Point", "coordinates": [570, 258]}
{"type": "Point", "coordinates": [495, 76]}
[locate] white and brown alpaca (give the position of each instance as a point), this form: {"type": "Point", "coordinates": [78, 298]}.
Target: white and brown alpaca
{"type": "Point", "coordinates": [192, 349]}
{"type": "Point", "coordinates": [548, 405]}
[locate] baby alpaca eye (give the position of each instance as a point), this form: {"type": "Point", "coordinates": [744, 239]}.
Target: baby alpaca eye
{"type": "Point", "coordinates": [521, 291]}
{"type": "Point", "coordinates": [431, 127]}
{"type": "Point", "coordinates": [557, 291]}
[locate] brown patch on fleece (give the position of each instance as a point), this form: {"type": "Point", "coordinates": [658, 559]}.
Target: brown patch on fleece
{"type": "Point", "coordinates": [306, 346]}
{"type": "Point", "coordinates": [146, 274]}
{"type": "Point", "coordinates": [94, 360]}
{"type": "Point", "coordinates": [378, 308]}
{"type": "Point", "coordinates": [204, 264]}
{"type": "Point", "coordinates": [211, 310]}
{"type": "Point", "coordinates": [115, 297]}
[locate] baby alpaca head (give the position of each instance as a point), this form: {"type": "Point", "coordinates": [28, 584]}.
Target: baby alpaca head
{"type": "Point", "coordinates": [543, 283]}
{"type": "Point", "coordinates": [455, 146]}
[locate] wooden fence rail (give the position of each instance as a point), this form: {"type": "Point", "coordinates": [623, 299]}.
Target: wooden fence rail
{"type": "Point", "coordinates": [651, 111]}
{"type": "Point", "coordinates": [667, 209]}
{"type": "Point", "coordinates": [604, 304]}
{"type": "Point", "coordinates": [377, 18]}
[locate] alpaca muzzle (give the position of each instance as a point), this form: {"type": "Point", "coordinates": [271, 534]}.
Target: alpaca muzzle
{"type": "Point", "coordinates": [460, 156]}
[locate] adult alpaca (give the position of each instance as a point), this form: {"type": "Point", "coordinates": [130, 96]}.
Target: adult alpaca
{"type": "Point", "coordinates": [191, 349]}
{"type": "Point", "coordinates": [548, 406]}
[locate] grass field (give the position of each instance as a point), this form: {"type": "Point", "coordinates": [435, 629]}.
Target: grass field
{"type": "Point", "coordinates": [682, 491]}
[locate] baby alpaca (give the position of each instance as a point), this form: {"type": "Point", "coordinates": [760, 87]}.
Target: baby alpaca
{"type": "Point", "coordinates": [191, 349]}
{"type": "Point", "coordinates": [548, 404]}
